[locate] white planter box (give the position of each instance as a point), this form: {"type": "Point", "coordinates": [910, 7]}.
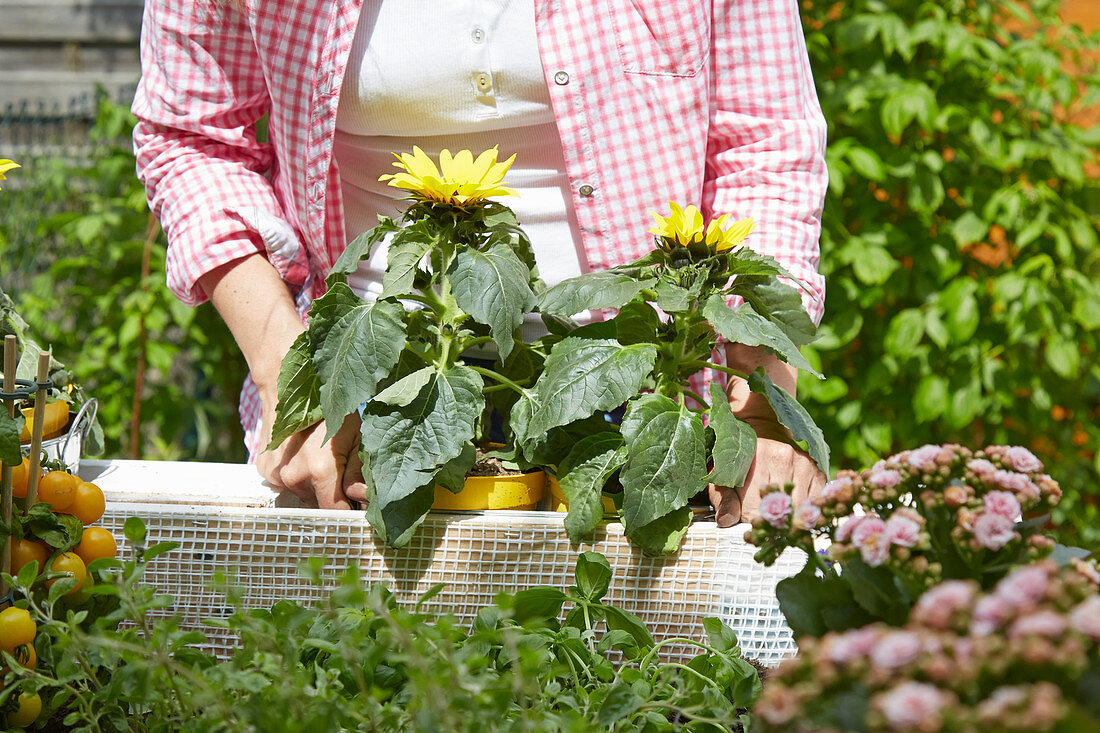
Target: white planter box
{"type": "Point", "coordinates": [223, 517]}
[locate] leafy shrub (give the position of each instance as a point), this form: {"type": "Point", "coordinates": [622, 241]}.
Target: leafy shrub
{"type": "Point", "coordinates": [960, 238]}
{"type": "Point", "coordinates": [76, 278]}
{"type": "Point", "coordinates": [359, 661]}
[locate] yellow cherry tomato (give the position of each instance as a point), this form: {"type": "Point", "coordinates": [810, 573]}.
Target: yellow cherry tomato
{"type": "Point", "coordinates": [16, 628]}
{"type": "Point", "coordinates": [30, 707]}
{"type": "Point", "coordinates": [19, 475]}
{"type": "Point", "coordinates": [70, 564]}
{"type": "Point", "coordinates": [25, 656]}
{"type": "Point", "coordinates": [96, 542]}
{"type": "Point", "coordinates": [88, 503]}
{"type": "Point", "coordinates": [58, 489]}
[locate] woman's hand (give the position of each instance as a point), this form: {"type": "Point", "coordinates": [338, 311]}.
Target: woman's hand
{"type": "Point", "coordinates": [256, 305]}
{"type": "Point", "coordinates": [326, 475]}
{"type": "Point", "coordinates": [776, 460]}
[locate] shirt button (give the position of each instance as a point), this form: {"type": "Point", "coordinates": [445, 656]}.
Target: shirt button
{"type": "Point", "coordinates": [561, 78]}
{"type": "Point", "coordinates": [478, 34]}
{"type": "Point", "coordinates": [586, 190]}
{"type": "Point", "coordinates": [484, 83]}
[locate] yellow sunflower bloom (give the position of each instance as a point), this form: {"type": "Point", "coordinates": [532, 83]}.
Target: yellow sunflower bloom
{"type": "Point", "coordinates": [684, 227]}
{"type": "Point", "coordinates": [5, 166]}
{"type": "Point", "coordinates": [460, 179]}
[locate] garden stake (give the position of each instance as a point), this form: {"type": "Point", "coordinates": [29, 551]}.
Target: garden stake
{"type": "Point", "coordinates": [36, 429]}
{"type": "Point", "coordinates": [5, 477]}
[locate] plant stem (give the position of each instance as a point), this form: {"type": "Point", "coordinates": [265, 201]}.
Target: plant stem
{"type": "Point", "coordinates": [719, 368]}
{"type": "Point", "coordinates": [498, 378]}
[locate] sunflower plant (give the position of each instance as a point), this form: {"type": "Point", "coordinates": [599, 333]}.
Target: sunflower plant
{"type": "Point", "coordinates": [460, 275]}
{"type": "Point", "coordinates": [700, 285]}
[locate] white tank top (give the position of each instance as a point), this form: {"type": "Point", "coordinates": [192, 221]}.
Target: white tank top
{"type": "Point", "coordinates": [453, 75]}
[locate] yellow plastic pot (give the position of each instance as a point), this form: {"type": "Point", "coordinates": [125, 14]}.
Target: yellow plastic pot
{"type": "Point", "coordinates": [559, 503]}
{"type": "Point", "coordinates": [54, 421]}
{"type": "Point", "coordinates": [522, 491]}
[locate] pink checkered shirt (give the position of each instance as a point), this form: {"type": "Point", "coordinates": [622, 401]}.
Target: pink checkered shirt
{"type": "Point", "coordinates": [704, 102]}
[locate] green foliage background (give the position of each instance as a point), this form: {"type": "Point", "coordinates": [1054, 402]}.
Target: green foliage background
{"type": "Point", "coordinates": [960, 238]}
{"type": "Point", "coordinates": [72, 237]}
{"type": "Point", "coordinates": [959, 245]}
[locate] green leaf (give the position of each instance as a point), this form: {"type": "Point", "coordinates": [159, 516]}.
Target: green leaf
{"type": "Point", "coordinates": [582, 475]}
{"type": "Point", "coordinates": [782, 304]}
{"type": "Point", "coordinates": [867, 163]}
{"type": "Point", "coordinates": [492, 287]}
{"type": "Point", "coordinates": [402, 258]}
{"type": "Point", "coordinates": [926, 192]}
{"type": "Point", "coordinates": [593, 575]}
{"type": "Point", "coordinates": [969, 228]}
{"type": "Point", "coordinates": [875, 589]}
{"type": "Point", "coordinates": [10, 428]}
{"type": "Point", "coordinates": [605, 289]}
{"type": "Point", "coordinates": [452, 476]}
{"type": "Point", "coordinates": [720, 636]}
{"type": "Point", "coordinates": [1063, 357]}
{"type": "Point", "coordinates": [663, 535]}
{"type": "Point", "coordinates": [540, 603]}
{"type": "Point", "coordinates": [745, 326]}
{"type": "Point", "coordinates": [620, 702]}
{"type": "Point", "coordinates": [794, 417]}
{"type": "Point", "coordinates": [396, 520]}
{"type": "Point", "coordinates": [358, 250]}
{"type": "Point", "coordinates": [636, 323]}
{"type": "Point", "coordinates": [620, 620]}
{"type": "Point", "coordinates": [406, 389]}
{"type": "Point", "coordinates": [966, 402]}
{"type": "Point", "coordinates": [404, 447]}
{"type": "Point", "coordinates": [874, 265]}
{"type": "Point", "coordinates": [744, 261]}
{"type": "Point", "coordinates": [326, 311]}
{"type": "Point", "coordinates": [134, 530]}
{"type": "Point", "coordinates": [666, 459]}
{"type": "Point", "coordinates": [904, 333]}
{"type": "Point", "coordinates": [299, 390]}
{"type": "Point", "coordinates": [582, 376]}
{"type": "Point", "coordinates": [734, 444]}
{"type": "Point", "coordinates": [930, 398]}
{"type": "Point", "coordinates": [361, 349]}
{"type": "Point", "coordinates": [672, 298]}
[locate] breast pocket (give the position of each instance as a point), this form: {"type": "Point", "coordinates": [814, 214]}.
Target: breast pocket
{"type": "Point", "coordinates": [661, 37]}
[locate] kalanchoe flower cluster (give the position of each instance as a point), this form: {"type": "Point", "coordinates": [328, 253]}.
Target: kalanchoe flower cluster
{"type": "Point", "coordinates": [939, 511]}
{"type": "Point", "coordinates": [1012, 659]}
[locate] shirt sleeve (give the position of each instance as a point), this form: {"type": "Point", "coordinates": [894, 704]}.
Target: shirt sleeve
{"type": "Point", "coordinates": [766, 144]}
{"type": "Point", "coordinates": [200, 95]}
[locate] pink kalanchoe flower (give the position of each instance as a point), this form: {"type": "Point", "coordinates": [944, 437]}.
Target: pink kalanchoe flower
{"type": "Point", "coordinates": [807, 515]}
{"type": "Point", "coordinates": [1023, 587]}
{"type": "Point", "coordinates": [1021, 459]}
{"type": "Point", "coordinates": [924, 458]}
{"type": "Point", "coordinates": [1085, 618]}
{"type": "Point", "coordinates": [847, 528]}
{"type": "Point", "coordinates": [981, 468]}
{"type": "Point", "coordinates": [839, 489]}
{"type": "Point", "coordinates": [854, 644]}
{"type": "Point", "coordinates": [994, 531]}
{"type": "Point", "coordinates": [937, 607]}
{"type": "Point", "coordinates": [775, 508]}
{"type": "Point", "coordinates": [870, 538]}
{"type": "Point", "coordinates": [912, 706]}
{"type": "Point", "coordinates": [1017, 483]}
{"type": "Point", "coordinates": [902, 531]}
{"type": "Point", "coordinates": [1002, 503]}
{"type": "Point", "coordinates": [884, 478]}
{"type": "Point", "coordinates": [896, 649]}
{"type": "Point", "coordinates": [990, 614]}
{"type": "Point", "coordinates": [1085, 568]}
{"type": "Point", "coordinates": [1041, 623]}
